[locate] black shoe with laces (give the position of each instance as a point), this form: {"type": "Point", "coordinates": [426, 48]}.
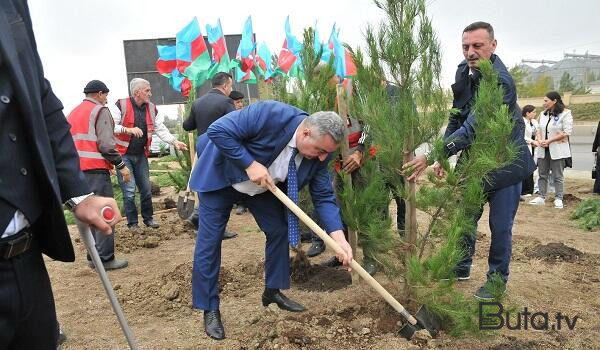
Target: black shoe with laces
{"type": "Point", "coordinates": [213, 325]}
{"type": "Point", "coordinates": [460, 275]}
{"type": "Point", "coordinates": [332, 262]}
{"type": "Point", "coordinates": [151, 223]}
{"type": "Point", "coordinates": [491, 290]}
{"type": "Point", "coordinates": [275, 296]}
{"type": "Point", "coordinates": [316, 248]}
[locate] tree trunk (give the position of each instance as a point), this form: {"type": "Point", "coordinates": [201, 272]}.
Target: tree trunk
{"type": "Point", "coordinates": [411, 204]}
{"type": "Point", "coordinates": [346, 178]}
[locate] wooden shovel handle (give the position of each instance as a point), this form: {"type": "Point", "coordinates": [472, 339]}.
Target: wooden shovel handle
{"type": "Point", "coordinates": [332, 244]}
{"type": "Point", "coordinates": [192, 147]}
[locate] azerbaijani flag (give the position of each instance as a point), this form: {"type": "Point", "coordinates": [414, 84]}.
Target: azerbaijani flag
{"type": "Point", "coordinates": [344, 65]}
{"type": "Point", "coordinates": [318, 45]}
{"type": "Point", "coordinates": [245, 55]}
{"type": "Point", "coordinates": [290, 50]}
{"type": "Point", "coordinates": [263, 62]}
{"type": "Point", "coordinates": [166, 59]}
{"type": "Point", "coordinates": [220, 56]}
{"type": "Point", "coordinates": [192, 55]}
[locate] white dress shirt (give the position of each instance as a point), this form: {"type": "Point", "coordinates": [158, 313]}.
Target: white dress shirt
{"type": "Point", "coordinates": [278, 170]}
{"type": "Point", "coordinates": [18, 222]}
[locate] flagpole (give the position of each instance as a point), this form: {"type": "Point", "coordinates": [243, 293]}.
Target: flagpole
{"type": "Point", "coordinates": [248, 91]}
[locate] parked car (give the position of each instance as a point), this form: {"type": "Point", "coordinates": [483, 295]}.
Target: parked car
{"type": "Point", "coordinates": [159, 148]}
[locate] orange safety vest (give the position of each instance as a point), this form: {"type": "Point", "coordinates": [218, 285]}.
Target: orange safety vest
{"type": "Point", "coordinates": [83, 129]}
{"type": "Point", "coordinates": [127, 120]}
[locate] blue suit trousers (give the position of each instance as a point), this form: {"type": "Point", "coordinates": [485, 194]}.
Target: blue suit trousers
{"type": "Point", "coordinates": [504, 203]}
{"type": "Point", "coordinates": [214, 210]}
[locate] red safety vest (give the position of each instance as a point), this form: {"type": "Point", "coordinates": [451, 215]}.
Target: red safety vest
{"type": "Point", "coordinates": [127, 120]}
{"type": "Point", "coordinates": [83, 129]}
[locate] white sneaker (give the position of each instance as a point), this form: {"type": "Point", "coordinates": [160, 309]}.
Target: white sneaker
{"type": "Point", "coordinates": [558, 203]}
{"type": "Point", "coordinates": [538, 201]}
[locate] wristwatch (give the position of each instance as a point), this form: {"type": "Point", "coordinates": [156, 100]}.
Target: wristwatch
{"type": "Point", "coordinates": [72, 203]}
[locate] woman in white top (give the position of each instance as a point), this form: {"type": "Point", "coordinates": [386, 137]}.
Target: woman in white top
{"type": "Point", "coordinates": [531, 126]}
{"type": "Point", "coordinates": [555, 127]}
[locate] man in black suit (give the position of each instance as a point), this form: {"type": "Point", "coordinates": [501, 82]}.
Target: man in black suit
{"type": "Point", "coordinates": [503, 187]}
{"type": "Point", "coordinates": [205, 110]}
{"type": "Point", "coordinates": [212, 106]}
{"type": "Point", "coordinates": [39, 170]}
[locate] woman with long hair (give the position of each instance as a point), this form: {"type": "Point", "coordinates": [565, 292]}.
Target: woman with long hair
{"type": "Point", "coordinates": [555, 127]}
{"type": "Point", "coordinates": [595, 149]}
{"type": "Point", "coordinates": [531, 125]}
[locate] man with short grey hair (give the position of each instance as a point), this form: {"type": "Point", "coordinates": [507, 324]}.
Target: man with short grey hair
{"type": "Point", "coordinates": [138, 119]}
{"type": "Point", "coordinates": [265, 145]}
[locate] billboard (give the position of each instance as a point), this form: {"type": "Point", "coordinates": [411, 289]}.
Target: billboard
{"type": "Point", "coordinates": [140, 62]}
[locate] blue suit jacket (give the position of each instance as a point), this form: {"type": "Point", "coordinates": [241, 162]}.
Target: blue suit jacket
{"type": "Point", "coordinates": [260, 132]}
{"type": "Point", "coordinates": [460, 132]}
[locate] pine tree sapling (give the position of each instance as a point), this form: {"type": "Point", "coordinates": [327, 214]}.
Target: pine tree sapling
{"type": "Point", "coordinates": [181, 177]}
{"type": "Point", "coordinates": [411, 111]}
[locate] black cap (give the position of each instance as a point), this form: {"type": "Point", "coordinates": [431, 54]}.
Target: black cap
{"type": "Point", "coordinates": [95, 86]}
{"type": "Point", "coordinates": [236, 95]}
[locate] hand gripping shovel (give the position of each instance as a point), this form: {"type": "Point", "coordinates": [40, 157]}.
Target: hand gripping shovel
{"type": "Point", "coordinates": [90, 245]}
{"type": "Point", "coordinates": [422, 320]}
{"type": "Point", "coordinates": [186, 201]}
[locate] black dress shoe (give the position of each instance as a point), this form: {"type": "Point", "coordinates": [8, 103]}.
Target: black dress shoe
{"type": "Point", "coordinates": [229, 235]}
{"type": "Point", "coordinates": [151, 223]}
{"type": "Point", "coordinates": [316, 248]}
{"type": "Point", "coordinates": [305, 236]}
{"type": "Point", "coordinates": [333, 262]}
{"type": "Point", "coordinates": [213, 325]}
{"type": "Point", "coordinates": [275, 296]}
{"type": "Point", "coordinates": [369, 267]}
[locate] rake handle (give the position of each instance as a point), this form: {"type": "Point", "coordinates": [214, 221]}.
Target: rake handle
{"type": "Point", "coordinates": [332, 244]}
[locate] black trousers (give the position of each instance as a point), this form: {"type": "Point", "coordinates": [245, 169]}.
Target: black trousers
{"type": "Point", "coordinates": [597, 182]}
{"type": "Point", "coordinates": [528, 184]}
{"type": "Point", "coordinates": [27, 313]}
{"type": "Point", "coordinates": [101, 185]}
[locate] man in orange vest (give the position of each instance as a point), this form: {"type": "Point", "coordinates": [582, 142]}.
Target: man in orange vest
{"type": "Point", "coordinates": [92, 128]}
{"type": "Point", "coordinates": [137, 121]}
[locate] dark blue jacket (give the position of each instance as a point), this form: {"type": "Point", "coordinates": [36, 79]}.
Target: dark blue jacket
{"type": "Point", "coordinates": [259, 133]}
{"type": "Point", "coordinates": [206, 109]}
{"type": "Point", "coordinates": [58, 174]}
{"type": "Point", "coordinates": [460, 132]}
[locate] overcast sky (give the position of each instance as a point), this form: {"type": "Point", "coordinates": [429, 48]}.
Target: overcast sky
{"type": "Point", "coordinates": [81, 40]}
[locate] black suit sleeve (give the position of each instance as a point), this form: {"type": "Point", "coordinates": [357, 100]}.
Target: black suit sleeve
{"type": "Point", "coordinates": [190, 123]}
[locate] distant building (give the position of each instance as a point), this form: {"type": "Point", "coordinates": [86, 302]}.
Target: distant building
{"type": "Point", "coordinates": [583, 69]}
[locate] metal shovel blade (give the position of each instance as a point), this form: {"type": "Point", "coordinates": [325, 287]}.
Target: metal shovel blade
{"type": "Point", "coordinates": [425, 320]}
{"type": "Point", "coordinates": [185, 204]}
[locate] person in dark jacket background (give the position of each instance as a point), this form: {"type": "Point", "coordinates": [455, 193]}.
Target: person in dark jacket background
{"type": "Point", "coordinates": [212, 105]}
{"type": "Point", "coordinates": [595, 149]}
{"type": "Point", "coordinates": [503, 189]}
{"type": "Point", "coordinates": [205, 110]}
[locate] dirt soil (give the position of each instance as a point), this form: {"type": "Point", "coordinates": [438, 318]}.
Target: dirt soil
{"type": "Point", "coordinates": [555, 268]}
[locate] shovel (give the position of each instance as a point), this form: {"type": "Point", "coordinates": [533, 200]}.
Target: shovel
{"type": "Point", "coordinates": [422, 320]}
{"type": "Point", "coordinates": [90, 245]}
{"type": "Point", "coordinates": [187, 200]}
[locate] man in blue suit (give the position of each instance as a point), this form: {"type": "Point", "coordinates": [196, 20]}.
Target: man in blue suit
{"type": "Point", "coordinates": [242, 154]}
{"type": "Point", "coordinates": [503, 189]}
